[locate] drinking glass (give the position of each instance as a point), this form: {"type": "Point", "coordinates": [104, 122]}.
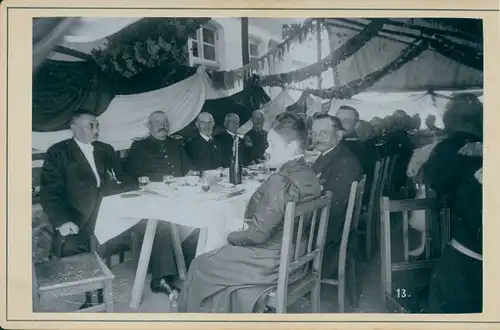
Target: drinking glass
{"type": "Point", "coordinates": [168, 179]}
{"type": "Point", "coordinates": [206, 184]}
{"type": "Point", "coordinates": [143, 182]}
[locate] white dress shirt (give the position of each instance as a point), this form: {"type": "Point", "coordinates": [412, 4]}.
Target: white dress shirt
{"type": "Point", "coordinates": [88, 152]}
{"type": "Point", "coordinates": [206, 138]}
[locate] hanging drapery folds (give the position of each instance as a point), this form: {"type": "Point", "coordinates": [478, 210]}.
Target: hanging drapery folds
{"type": "Point", "coordinates": [47, 33]}
{"type": "Point", "coordinates": [359, 85]}
{"type": "Point", "coordinates": [60, 88]}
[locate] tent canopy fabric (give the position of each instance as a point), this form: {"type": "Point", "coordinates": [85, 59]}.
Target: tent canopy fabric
{"type": "Point", "coordinates": [270, 111]}
{"type": "Point", "coordinates": [242, 103]}
{"type": "Point", "coordinates": [60, 88]}
{"type": "Point", "coordinates": [89, 29]}
{"type": "Point", "coordinates": [126, 117]}
{"type": "Point", "coordinates": [430, 71]}
{"type": "Point", "coordinates": [305, 106]}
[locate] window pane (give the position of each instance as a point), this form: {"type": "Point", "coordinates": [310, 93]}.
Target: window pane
{"type": "Point", "coordinates": [209, 36]}
{"type": "Point", "coordinates": [195, 50]}
{"type": "Point", "coordinates": [209, 52]}
{"type": "Point", "coordinates": [254, 50]}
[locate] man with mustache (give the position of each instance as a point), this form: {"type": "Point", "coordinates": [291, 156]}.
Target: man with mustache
{"type": "Point", "coordinates": [158, 154]}
{"type": "Point", "coordinates": [337, 167]}
{"type": "Point", "coordinates": [155, 156]}
{"type": "Point", "coordinates": [77, 173]}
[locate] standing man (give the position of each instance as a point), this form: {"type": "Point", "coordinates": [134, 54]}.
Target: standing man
{"type": "Point", "coordinates": [157, 154]}
{"type": "Point", "coordinates": [337, 167]}
{"type": "Point", "coordinates": [203, 150]}
{"type": "Point", "coordinates": [76, 174]}
{"type": "Point", "coordinates": [256, 139]}
{"type": "Point", "coordinates": [227, 138]}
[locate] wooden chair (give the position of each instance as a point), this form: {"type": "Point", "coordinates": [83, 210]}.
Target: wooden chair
{"type": "Point", "coordinates": [380, 178]}
{"type": "Point", "coordinates": [433, 209]}
{"type": "Point", "coordinates": [349, 262]}
{"type": "Point", "coordinates": [73, 275]}
{"type": "Point", "coordinates": [291, 259]}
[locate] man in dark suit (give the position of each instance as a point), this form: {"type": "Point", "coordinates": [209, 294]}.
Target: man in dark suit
{"type": "Point", "coordinates": [76, 174]}
{"type": "Point", "coordinates": [256, 139]}
{"type": "Point", "coordinates": [155, 156]}
{"type": "Point", "coordinates": [203, 150]}
{"type": "Point", "coordinates": [349, 117]}
{"type": "Point", "coordinates": [337, 167]}
{"type": "Point", "coordinates": [227, 138]}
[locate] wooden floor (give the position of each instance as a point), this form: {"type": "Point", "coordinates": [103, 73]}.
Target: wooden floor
{"type": "Point", "coordinates": [370, 300]}
{"type": "Point", "coordinates": [159, 303]}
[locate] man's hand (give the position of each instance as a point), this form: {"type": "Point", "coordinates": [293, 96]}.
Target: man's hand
{"type": "Point", "coordinates": [69, 228]}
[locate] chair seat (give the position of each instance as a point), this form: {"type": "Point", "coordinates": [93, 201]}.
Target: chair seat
{"type": "Point", "coordinates": [78, 269]}
{"type": "Point", "coordinates": [295, 291]}
{"type": "Point", "coordinates": [330, 281]}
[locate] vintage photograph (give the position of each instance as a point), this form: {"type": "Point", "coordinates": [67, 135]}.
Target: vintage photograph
{"type": "Point", "coordinates": [257, 165]}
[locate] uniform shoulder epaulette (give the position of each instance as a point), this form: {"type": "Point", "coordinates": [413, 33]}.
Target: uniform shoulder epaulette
{"type": "Point", "coordinates": [177, 137]}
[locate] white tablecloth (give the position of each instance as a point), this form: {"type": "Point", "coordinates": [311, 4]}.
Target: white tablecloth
{"type": "Point", "coordinates": [189, 207]}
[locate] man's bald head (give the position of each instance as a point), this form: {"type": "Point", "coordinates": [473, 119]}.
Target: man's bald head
{"type": "Point", "coordinates": [205, 123]}
{"type": "Point", "coordinates": [232, 122]}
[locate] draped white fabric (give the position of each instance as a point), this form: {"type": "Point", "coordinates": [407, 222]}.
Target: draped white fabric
{"type": "Point", "coordinates": [271, 109]}
{"type": "Point", "coordinates": [89, 29]}
{"type": "Point", "coordinates": [126, 117]}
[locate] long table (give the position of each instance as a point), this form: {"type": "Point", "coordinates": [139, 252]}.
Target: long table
{"type": "Point", "coordinates": [185, 207]}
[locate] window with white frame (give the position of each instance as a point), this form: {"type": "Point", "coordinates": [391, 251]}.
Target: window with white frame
{"type": "Point", "coordinates": [203, 47]}
{"type": "Point", "coordinates": [253, 49]}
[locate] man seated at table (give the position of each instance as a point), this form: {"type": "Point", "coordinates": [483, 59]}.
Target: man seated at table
{"type": "Point", "coordinates": [155, 156]}
{"type": "Point", "coordinates": [203, 150]}
{"type": "Point", "coordinates": [77, 173]}
{"type": "Point", "coordinates": [256, 139]}
{"type": "Point", "coordinates": [226, 139]}
{"type": "Point", "coordinates": [337, 167]}
{"type": "Point", "coordinates": [158, 154]}
{"type": "Point", "coordinates": [232, 278]}
{"type": "Point", "coordinates": [349, 118]}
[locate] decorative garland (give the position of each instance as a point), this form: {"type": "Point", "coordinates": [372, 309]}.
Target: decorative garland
{"type": "Point", "coordinates": [359, 85]}
{"type": "Point", "coordinates": [227, 79]}
{"type": "Point", "coordinates": [148, 44]}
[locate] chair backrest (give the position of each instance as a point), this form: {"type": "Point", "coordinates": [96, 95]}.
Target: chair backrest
{"type": "Point", "coordinates": [292, 259]}
{"type": "Point", "coordinates": [431, 205]}
{"type": "Point", "coordinates": [351, 220]}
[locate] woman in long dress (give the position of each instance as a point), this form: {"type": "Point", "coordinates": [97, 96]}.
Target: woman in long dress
{"type": "Point", "coordinates": [231, 279]}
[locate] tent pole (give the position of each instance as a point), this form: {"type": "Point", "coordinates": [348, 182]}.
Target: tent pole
{"type": "Point", "coordinates": [318, 39]}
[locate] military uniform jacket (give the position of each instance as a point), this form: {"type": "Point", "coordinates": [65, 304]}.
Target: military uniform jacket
{"type": "Point", "coordinates": [155, 158]}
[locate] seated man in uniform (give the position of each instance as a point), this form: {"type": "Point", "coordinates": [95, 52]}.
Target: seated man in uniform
{"type": "Point", "coordinates": [203, 150]}
{"type": "Point", "coordinates": [256, 139]}
{"type": "Point", "coordinates": [336, 167]}
{"type": "Point", "coordinates": [155, 156]}
{"type": "Point", "coordinates": [226, 139]}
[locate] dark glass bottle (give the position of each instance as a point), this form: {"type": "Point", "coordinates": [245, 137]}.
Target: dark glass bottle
{"type": "Point", "coordinates": [235, 166]}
